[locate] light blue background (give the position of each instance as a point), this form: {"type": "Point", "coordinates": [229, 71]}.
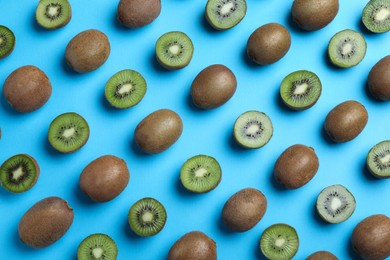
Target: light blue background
{"type": "Point", "coordinates": [205, 132]}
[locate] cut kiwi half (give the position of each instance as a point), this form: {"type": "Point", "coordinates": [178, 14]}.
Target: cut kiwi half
{"type": "Point", "coordinates": [300, 89]}
{"type": "Point", "coordinates": [52, 14]}
{"type": "Point", "coordinates": [253, 129]}
{"type": "Point", "coordinates": [279, 242]}
{"type": "Point", "coordinates": [19, 173]}
{"type": "Point", "coordinates": [147, 217]}
{"type": "Point", "coordinates": [201, 174]}
{"type": "Point", "coordinates": [125, 89]}
{"type": "Point", "coordinates": [225, 14]}
{"type": "Point", "coordinates": [378, 160]}
{"type": "Point", "coordinates": [97, 247]}
{"type": "Point", "coordinates": [68, 132]}
{"type": "Point", "coordinates": [376, 16]}
{"type": "Point", "coordinates": [174, 50]}
{"type": "Point", "coordinates": [335, 204]}
{"type": "Point", "coordinates": [347, 48]}
{"type": "Point", "coordinates": [7, 41]}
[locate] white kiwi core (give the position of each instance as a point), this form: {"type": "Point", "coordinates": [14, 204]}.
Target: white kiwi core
{"type": "Point", "coordinates": [17, 173]}
{"type": "Point", "coordinates": [226, 8]}
{"type": "Point", "coordinates": [147, 216]}
{"type": "Point", "coordinates": [201, 172]}
{"type": "Point", "coordinates": [174, 49]}
{"type": "Point", "coordinates": [125, 88]}
{"type": "Point", "coordinates": [97, 252]}
{"type": "Point", "coordinates": [69, 132]}
{"type": "Point", "coordinates": [382, 14]}
{"type": "Point", "coordinates": [301, 89]}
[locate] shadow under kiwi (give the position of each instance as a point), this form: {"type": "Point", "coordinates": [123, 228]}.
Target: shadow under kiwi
{"type": "Point", "coordinates": [156, 65]}
{"type": "Point", "coordinates": [352, 254]}
{"type": "Point", "coordinates": [317, 218]}
{"type": "Point", "coordinates": [8, 109]}
{"type": "Point", "coordinates": [329, 63]}
{"type": "Point", "coordinates": [364, 29]}
{"type": "Point", "coordinates": [326, 137]}
{"type": "Point", "coordinates": [183, 192]}
{"type": "Point", "coordinates": [128, 232]}
{"type": "Point", "coordinates": [293, 26]}
{"type": "Point", "coordinates": [281, 106]}
{"type": "Point", "coordinates": [192, 107]}
{"type": "Point", "coordinates": [117, 24]}
{"type": "Point", "coordinates": [137, 151]}
{"type": "Point", "coordinates": [22, 247]}
{"type": "Point", "coordinates": [275, 183]}
{"type": "Point", "coordinates": [67, 69]}
{"type": "Point", "coordinates": [107, 106]}
{"type": "Point", "coordinates": [224, 229]}
{"type": "Point", "coordinates": [82, 197]}
{"type": "Point", "coordinates": [248, 62]}
{"type": "Point", "coordinates": [257, 251]}
{"type": "Point", "coordinates": [49, 149]}
{"type": "Point", "coordinates": [205, 24]}
{"type": "Point", "coordinates": [367, 174]}
{"type": "Point", "coordinates": [235, 146]}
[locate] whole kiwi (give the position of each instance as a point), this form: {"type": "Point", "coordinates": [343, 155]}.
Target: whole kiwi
{"type": "Point", "coordinates": [158, 131]}
{"type": "Point", "coordinates": [213, 87]}
{"type": "Point", "coordinates": [346, 121]}
{"type": "Point", "coordinates": [137, 13]}
{"type": "Point", "coordinates": [45, 222]}
{"type": "Point", "coordinates": [87, 51]}
{"type": "Point", "coordinates": [322, 255]}
{"type": "Point", "coordinates": [379, 79]}
{"type": "Point", "coordinates": [104, 178]}
{"type": "Point", "coordinates": [268, 44]}
{"type": "Point", "coordinates": [371, 237]}
{"type": "Point", "coordinates": [194, 245]}
{"type": "Point", "coordinates": [244, 209]}
{"type": "Point", "coordinates": [296, 166]}
{"type": "Point", "coordinates": [313, 15]}
{"type": "Point", "coordinates": [27, 89]}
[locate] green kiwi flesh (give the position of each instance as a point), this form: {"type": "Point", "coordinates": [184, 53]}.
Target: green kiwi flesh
{"type": "Point", "coordinates": [19, 173]}
{"type": "Point", "coordinates": [301, 89]}
{"type": "Point", "coordinates": [174, 50]}
{"type": "Point", "coordinates": [147, 217]}
{"type": "Point", "coordinates": [376, 16]}
{"type": "Point", "coordinates": [97, 247]}
{"type": "Point", "coordinates": [52, 14]}
{"type": "Point", "coordinates": [225, 14]}
{"type": "Point", "coordinates": [378, 160]}
{"type": "Point", "coordinates": [335, 204]}
{"type": "Point", "coordinates": [200, 174]}
{"type": "Point", "coordinates": [253, 129]}
{"type": "Point", "coordinates": [7, 41]}
{"type": "Point", "coordinates": [125, 89]}
{"type": "Point", "coordinates": [279, 242]}
{"type": "Point", "coordinates": [347, 48]}
{"type": "Point", "coordinates": [68, 132]}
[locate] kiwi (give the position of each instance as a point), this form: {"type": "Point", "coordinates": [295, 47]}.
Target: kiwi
{"type": "Point", "coordinates": [97, 246]}
{"type": "Point", "coordinates": [19, 173]}
{"type": "Point", "coordinates": [68, 132]}
{"type": "Point", "coordinates": [378, 160]}
{"type": "Point", "coordinates": [322, 255]}
{"type": "Point", "coordinates": [300, 90]}
{"type": "Point", "coordinates": [7, 41]}
{"type": "Point", "coordinates": [347, 48]}
{"type": "Point", "coordinates": [225, 14]}
{"type": "Point", "coordinates": [335, 204]}
{"type": "Point", "coordinates": [376, 16]}
{"type": "Point", "coordinates": [201, 174]}
{"type": "Point", "coordinates": [279, 242]}
{"type": "Point", "coordinates": [52, 14]}
{"type": "Point", "coordinates": [174, 50]}
{"type": "Point", "coordinates": [138, 13]}
{"type": "Point", "coordinates": [253, 129]}
{"type": "Point", "coordinates": [45, 222]}
{"type": "Point", "coordinates": [147, 217]}
{"type": "Point", "coordinates": [125, 89]}
{"type": "Point", "coordinates": [379, 79]}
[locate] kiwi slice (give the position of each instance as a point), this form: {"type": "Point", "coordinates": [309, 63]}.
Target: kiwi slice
{"type": "Point", "coordinates": [347, 48]}
{"type": "Point", "coordinates": [279, 242]}
{"type": "Point", "coordinates": [378, 160]}
{"type": "Point", "coordinates": [52, 14]}
{"type": "Point", "coordinates": [147, 217]}
{"type": "Point", "coordinates": [200, 174]}
{"type": "Point", "coordinates": [68, 132]}
{"type": "Point", "coordinates": [376, 16]}
{"type": "Point", "coordinates": [225, 14]}
{"type": "Point", "coordinates": [19, 173]}
{"type": "Point", "coordinates": [97, 246]}
{"type": "Point", "coordinates": [174, 50]}
{"type": "Point", "coordinates": [253, 129]}
{"type": "Point", "coordinates": [7, 41]}
{"type": "Point", "coordinates": [335, 204]}
{"type": "Point", "coordinates": [300, 89]}
{"type": "Point", "coordinates": [125, 89]}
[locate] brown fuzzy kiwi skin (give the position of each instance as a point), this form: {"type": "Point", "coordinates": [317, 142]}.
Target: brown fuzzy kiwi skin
{"type": "Point", "coordinates": [138, 13]}
{"type": "Point", "coordinates": [296, 166]}
{"type": "Point", "coordinates": [268, 44]}
{"type": "Point", "coordinates": [322, 255]}
{"type": "Point", "coordinates": [45, 222]}
{"type": "Point", "coordinates": [244, 209]}
{"type": "Point", "coordinates": [87, 51]}
{"type": "Point", "coordinates": [346, 121]}
{"type": "Point", "coordinates": [371, 237]}
{"type": "Point", "coordinates": [213, 87]}
{"type": "Point", "coordinates": [312, 15]}
{"type": "Point", "coordinates": [379, 79]}
{"type": "Point", "coordinates": [27, 89]}
{"type": "Point", "coordinates": [158, 131]}
{"type": "Point", "coordinates": [194, 245]}
{"type": "Point", "coordinates": [104, 178]}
